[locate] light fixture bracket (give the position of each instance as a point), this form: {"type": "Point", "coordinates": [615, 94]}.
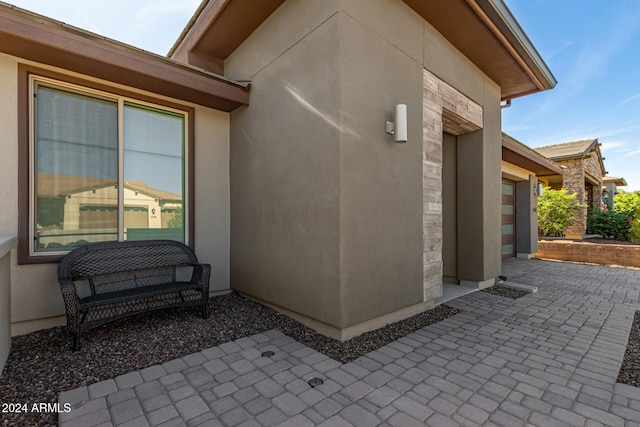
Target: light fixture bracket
{"type": "Point", "coordinates": [390, 128]}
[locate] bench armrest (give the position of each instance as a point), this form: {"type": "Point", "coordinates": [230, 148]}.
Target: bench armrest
{"type": "Point", "coordinates": [71, 301]}
{"type": "Point", "coordinates": [201, 275]}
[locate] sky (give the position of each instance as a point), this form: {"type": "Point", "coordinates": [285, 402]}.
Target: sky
{"type": "Point", "coordinates": [591, 46]}
{"type": "Point", "coordinates": [152, 25]}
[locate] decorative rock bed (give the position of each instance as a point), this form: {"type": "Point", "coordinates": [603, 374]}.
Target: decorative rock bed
{"type": "Point", "coordinates": [630, 370]}
{"type": "Point", "coordinates": [502, 291]}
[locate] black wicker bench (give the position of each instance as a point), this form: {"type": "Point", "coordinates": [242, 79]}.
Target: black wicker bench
{"type": "Point", "coordinates": [102, 282]}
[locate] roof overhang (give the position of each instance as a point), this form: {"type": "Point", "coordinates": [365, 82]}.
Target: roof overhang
{"type": "Point", "coordinates": [568, 151]}
{"type": "Point", "coordinates": [520, 155]}
{"type": "Point", "coordinates": [492, 39]}
{"type": "Point", "coordinates": [618, 182]}
{"type": "Point", "coordinates": [485, 31]}
{"type": "Point", "coordinates": [39, 39]}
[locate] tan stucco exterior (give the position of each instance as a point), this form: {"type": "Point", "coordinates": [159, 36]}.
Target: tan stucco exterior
{"type": "Point", "coordinates": [35, 293]}
{"type": "Point", "coordinates": [327, 211]}
{"type": "Point", "coordinates": [6, 244]}
{"type": "Point", "coordinates": [302, 201]}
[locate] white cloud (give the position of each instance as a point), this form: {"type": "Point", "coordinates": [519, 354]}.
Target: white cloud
{"type": "Point", "coordinates": [557, 49]}
{"type": "Point", "coordinates": [152, 25]}
{"type": "Point", "coordinates": [166, 8]}
{"type": "Point", "coordinates": [631, 98]}
{"type": "Point", "coordinates": [613, 145]}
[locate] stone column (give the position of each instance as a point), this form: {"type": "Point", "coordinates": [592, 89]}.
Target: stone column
{"type": "Point", "coordinates": [573, 182]}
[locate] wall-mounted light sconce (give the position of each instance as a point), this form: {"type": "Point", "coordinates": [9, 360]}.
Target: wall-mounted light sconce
{"type": "Point", "coordinates": [539, 189]}
{"type": "Point", "coordinates": [398, 127]}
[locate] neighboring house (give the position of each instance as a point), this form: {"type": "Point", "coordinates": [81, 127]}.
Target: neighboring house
{"type": "Point", "coordinates": [524, 172]}
{"type": "Point", "coordinates": [72, 209]}
{"type": "Point", "coordinates": [299, 198]}
{"type": "Point", "coordinates": [610, 189]}
{"type": "Point", "coordinates": [583, 174]}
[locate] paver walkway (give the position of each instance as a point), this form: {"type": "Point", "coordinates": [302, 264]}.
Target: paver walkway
{"type": "Point", "coordinates": [549, 358]}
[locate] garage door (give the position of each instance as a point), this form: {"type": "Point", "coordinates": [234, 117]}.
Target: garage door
{"type": "Point", "coordinates": [508, 219]}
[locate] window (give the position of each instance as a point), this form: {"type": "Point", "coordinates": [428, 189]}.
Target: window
{"type": "Point", "coordinates": [103, 167]}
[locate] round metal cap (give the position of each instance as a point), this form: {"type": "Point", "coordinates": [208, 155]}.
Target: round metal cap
{"type": "Point", "coordinates": [314, 382]}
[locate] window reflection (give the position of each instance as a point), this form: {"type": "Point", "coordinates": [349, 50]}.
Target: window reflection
{"type": "Point", "coordinates": [153, 171]}
{"type": "Point", "coordinates": [76, 179]}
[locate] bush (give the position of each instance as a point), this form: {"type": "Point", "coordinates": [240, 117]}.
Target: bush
{"type": "Point", "coordinates": [556, 211]}
{"type": "Point", "coordinates": [611, 224]}
{"type": "Point", "coordinates": [626, 202]}
{"type": "Point", "coordinates": [634, 232]}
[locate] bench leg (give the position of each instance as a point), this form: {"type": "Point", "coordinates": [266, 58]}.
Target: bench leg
{"type": "Point", "coordinates": [76, 341]}
{"type": "Point", "coordinates": [76, 338]}
{"type": "Point", "coordinates": [204, 311]}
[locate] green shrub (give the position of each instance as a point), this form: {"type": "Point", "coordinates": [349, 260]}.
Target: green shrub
{"type": "Point", "coordinates": [634, 232]}
{"type": "Point", "coordinates": [626, 202]}
{"type": "Point", "coordinates": [556, 211]}
{"type": "Point", "coordinates": [611, 224]}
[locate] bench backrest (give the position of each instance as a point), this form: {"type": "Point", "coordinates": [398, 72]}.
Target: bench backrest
{"type": "Point", "coordinates": [119, 265]}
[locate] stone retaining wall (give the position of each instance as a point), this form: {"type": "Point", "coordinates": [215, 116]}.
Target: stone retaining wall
{"type": "Point", "coordinates": [607, 254]}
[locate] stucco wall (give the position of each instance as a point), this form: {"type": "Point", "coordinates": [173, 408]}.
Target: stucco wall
{"type": "Point", "coordinates": [8, 138]}
{"type": "Point", "coordinates": [285, 178]}
{"type": "Point", "coordinates": [381, 181]}
{"type": "Point", "coordinates": [327, 212]}
{"type": "Point", "coordinates": [6, 244]}
{"type": "Point", "coordinates": [35, 293]}
{"type": "Point", "coordinates": [212, 194]}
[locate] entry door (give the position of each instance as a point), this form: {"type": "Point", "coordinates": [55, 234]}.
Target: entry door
{"type": "Point", "coordinates": [508, 219]}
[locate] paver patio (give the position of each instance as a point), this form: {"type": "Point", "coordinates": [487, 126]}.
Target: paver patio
{"type": "Point", "coordinates": [549, 358]}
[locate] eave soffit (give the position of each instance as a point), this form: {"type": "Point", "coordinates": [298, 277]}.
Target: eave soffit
{"type": "Point", "coordinates": [492, 39]}
{"type": "Point", "coordinates": [516, 153]}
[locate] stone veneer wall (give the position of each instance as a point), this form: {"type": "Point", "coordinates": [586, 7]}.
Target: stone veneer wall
{"type": "Point", "coordinates": [438, 96]}
{"type": "Point", "coordinates": [573, 181]}
{"type": "Point", "coordinates": [592, 167]}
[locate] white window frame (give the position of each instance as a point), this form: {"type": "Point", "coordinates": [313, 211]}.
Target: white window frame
{"type": "Point", "coordinates": [34, 81]}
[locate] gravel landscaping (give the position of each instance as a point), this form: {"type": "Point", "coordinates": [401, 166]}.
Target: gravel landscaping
{"type": "Point", "coordinates": [630, 370]}
{"type": "Point", "coordinates": [502, 291]}
{"type": "Point", "coordinates": [42, 364]}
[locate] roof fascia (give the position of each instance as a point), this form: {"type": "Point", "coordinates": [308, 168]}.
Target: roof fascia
{"type": "Point", "coordinates": [504, 25]}
{"type": "Point", "coordinates": [493, 14]}
{"type": "Point", "coordinates": [522, 150]}
{"type": "Point", "coordinates": [615, 180]}
{"type": "Point", "coordinates": [42, 40]}
{"type": "Point", "coordinates": [600, 158]}
{"type": "Point", "coordinates": [202, 19]}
